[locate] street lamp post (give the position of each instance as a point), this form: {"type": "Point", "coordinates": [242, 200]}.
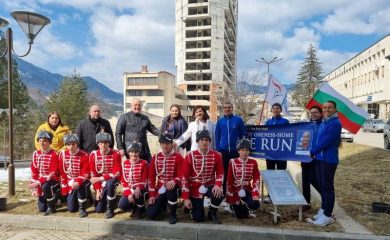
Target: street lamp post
{"type": "Point", "coordinates": [31, 24]}
{"type": "Point", "coordinates": [262, 60]}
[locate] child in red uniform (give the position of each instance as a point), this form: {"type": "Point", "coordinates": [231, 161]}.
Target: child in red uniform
{"type": "Point", "coordinates": [74, 169]}
{"type": "Point", "coordinates": [45, 177]}
{"type": "Point", "coordinates": [164, 179]}
{"type": "Point", "coordinates": [105, 169]}
{"type": "Point", "coordinates": [202, 176]}
{"type": "Point", "coordinates": [134, 177]}
{"type": "Point", "coordinates": [243, 181]}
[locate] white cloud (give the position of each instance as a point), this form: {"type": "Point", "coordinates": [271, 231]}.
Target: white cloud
{"type": "Point", "coordinates": [123, 35]}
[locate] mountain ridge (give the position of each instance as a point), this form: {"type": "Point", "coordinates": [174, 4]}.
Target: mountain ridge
{"type": "Point", "coordinates": [46, 82]}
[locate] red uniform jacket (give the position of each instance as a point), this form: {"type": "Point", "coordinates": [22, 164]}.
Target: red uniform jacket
{"type": "Point", "coordinates": [164, 169]}
{"type": "Point", "coordinates": [134, 175]}
{"type": "Point", "coordinates": [242, 175]}
{"type": "Point", "coordinates": [198, 170]}
{"type": "Point", "coordinates": [105, 166]}
{"type": "Point", "coordinates": [44, 167]}
{"type": "Point", "coordinates": [73, 168]}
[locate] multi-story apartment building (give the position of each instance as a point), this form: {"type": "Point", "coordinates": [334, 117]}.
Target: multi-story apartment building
{"type": "Point", "coordinates": [156, 90]}
{"type": "Point", "coordinates": [205, 51]}
{"type": "Point", "coordinates": [365, 79]}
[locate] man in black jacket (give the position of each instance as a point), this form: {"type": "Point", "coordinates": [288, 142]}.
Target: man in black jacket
{"type": "Point", "coordinates": [132, 126]}
{"type": "Point", "coordinates": [88, 128]}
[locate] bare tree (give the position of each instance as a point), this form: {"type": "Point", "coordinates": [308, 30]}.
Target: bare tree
{"type": "Point", "coordinates": [246, 97]}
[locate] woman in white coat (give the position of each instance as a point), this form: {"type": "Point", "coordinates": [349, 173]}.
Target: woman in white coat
{"type": "Point", "coordinates": [201, 121]}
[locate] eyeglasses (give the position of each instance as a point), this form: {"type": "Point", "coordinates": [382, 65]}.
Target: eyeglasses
{"type": "Point", "coordinates": [227, 107]}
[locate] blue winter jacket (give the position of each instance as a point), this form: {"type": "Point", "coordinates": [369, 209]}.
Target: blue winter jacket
{"type": "Point", "coordinates": [228, 131]}
{"type": "Point", "coordinates": [277, 121]}
{"type": "Point", "coordinates": [327, 147]}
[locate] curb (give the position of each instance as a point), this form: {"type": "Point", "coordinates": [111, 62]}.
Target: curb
{"type": "Point", "coordinates": [187, 231]}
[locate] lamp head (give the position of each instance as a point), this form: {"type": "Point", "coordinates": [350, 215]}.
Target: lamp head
{"type": "Point", "coordinates": [31, 23]}
{"type": "Point", "coordinates": [3, 23]}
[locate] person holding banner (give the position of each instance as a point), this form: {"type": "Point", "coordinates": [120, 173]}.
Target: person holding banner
{"type": "Point", "coordinates": [241, 193]}
{"type": "Point", "coordinates": [308, 168]}
{"type": "Point", "coordinates": [326, 152]}
{"type": "Point", "coordinates": [276, 119]}
{"type": "Point", "coordinates": [229, 129]}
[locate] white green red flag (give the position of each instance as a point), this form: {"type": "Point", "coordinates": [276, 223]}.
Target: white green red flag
{"type": "Point", "coordinates": [351, 116]}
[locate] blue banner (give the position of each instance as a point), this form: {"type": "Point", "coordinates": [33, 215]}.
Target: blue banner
{"type": "Point", "coordinates": [282, 142]}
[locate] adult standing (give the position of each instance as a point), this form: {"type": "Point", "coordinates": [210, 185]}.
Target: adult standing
{"type": "Point", "coordinates": [53, 125]}
{"type": "Point", "coordinates": [201, 122]}
{"type": "Point", "coordinates": [276, 119]}
{"type": "Point", "coordinates": [176, 125]}
{"type": "Point", "coordinates": [87, 129]}
{"type": "Point", "coordinates": [308, 168]}
{"type": "Point", "coordinates": [132, 126]}
{"type": "Point", "coordinates": [326, 152]}
{"type": "Point", "coordinates": [229, 129]}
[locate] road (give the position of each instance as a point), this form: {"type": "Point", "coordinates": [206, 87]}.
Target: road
{"type": "Point", "coordinates": [370, 139]}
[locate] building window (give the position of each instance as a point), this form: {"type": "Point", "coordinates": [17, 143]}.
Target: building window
{"type": "Point", "coordinates": [135, 93]}
{"type": "Point", "coordinates": [155, 93]}
{"type": "Point", "coordinates": [141, 81]}
{"type": "Point", "coordinates": [155, 105]}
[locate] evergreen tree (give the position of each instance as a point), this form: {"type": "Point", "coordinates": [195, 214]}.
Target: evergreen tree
{"type": "Point", "coordinates": [70, 100]}
{"type": "Point", "coordinates": [309, 77]}
{"type": "Point", "coordinates": [23, 134]}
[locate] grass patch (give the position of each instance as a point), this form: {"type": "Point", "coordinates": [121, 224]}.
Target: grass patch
{"type": "Point", "coordinates": [23, 203]}
{"type": "Point", "coordinates": [362, 176]}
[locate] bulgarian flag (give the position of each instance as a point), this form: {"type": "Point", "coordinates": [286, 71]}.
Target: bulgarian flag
{"type": "Point", "coordinates": [351, 116]}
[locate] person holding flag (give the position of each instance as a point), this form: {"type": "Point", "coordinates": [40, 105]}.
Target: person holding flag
{"type": "Point", "coordinates": [327, 154]}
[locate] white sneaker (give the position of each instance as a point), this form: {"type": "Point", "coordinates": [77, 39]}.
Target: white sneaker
{"type": "Point", "coordinates": [267, 199]}
{"type": "Point", "coordinates": [323, 221]}
{"type": "Point", "coordinates": [320, 212]}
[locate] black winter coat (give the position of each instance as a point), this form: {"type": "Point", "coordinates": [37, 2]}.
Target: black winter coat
{"type": "Point", "coordinates": [87, 129]}
{"type": "Point", "coordinates": [132, 127]}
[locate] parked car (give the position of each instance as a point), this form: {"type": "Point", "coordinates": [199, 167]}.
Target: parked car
{"type": "Point", "coordinates": [386, 135]}
{"type": "Point", "coordinates": [373, 125]}
{"type": "Point", "coordinates": [346, 135]}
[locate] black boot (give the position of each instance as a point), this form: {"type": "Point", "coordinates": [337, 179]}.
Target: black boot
{"type": "Point", "coordinates": [172, 213]}
{"type": "Point", "coordinates": [212, 214]}
{"type": "Point", "coordinates": [110, 208]}
{"type": "Point", "coordinates": [83, 209]}
{"type": "Point", "coordinates": [51, 207]}
{"type": "Point", "coordinates": [139, 213]}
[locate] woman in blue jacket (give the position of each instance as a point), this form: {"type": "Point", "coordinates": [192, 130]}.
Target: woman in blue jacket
{"type": "Point", "coordinates": [326, 152]}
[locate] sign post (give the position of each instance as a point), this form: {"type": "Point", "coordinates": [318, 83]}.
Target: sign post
{"type": "Point", "coordinates": [282, 190]}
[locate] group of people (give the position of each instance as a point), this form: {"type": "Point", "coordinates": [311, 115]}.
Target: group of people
{"type": "Point", "coordinates": [216, 164]}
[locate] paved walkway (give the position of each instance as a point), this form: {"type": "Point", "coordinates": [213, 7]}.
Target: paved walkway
{"type": "Point", "coordinates": [14, 233]}
{"type": "Point", "coordinates": [349, 225]}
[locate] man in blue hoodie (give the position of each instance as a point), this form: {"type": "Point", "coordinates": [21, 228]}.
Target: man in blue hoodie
{"type": "Point", "coordinates": [229, 129]}
{"type": "Point", "coordinates": [276, 119]}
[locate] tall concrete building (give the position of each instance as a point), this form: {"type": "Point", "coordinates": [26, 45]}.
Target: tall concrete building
{"type": "Point", "coordinates": [365, 79]}
{"type": "Point", "coordinates": [205, 51]}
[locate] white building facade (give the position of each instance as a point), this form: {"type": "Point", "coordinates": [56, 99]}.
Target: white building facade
{"type": "Point", "coordinates": [156, 90]}
{"type": "Point", "coordinates": [365, 79]}
{"type": "Point", "coordinates": [205, 50]}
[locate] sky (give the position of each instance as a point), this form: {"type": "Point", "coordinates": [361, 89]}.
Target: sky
{"type": "Point", "coordinates": [105, 38]}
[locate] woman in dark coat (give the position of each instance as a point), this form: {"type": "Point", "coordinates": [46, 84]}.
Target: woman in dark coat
{"type": "Point", "coordinates": [176, 125]}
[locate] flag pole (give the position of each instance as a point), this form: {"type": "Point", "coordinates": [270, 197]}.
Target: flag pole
{"type": "Point", "coordinates": [266, 94]}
